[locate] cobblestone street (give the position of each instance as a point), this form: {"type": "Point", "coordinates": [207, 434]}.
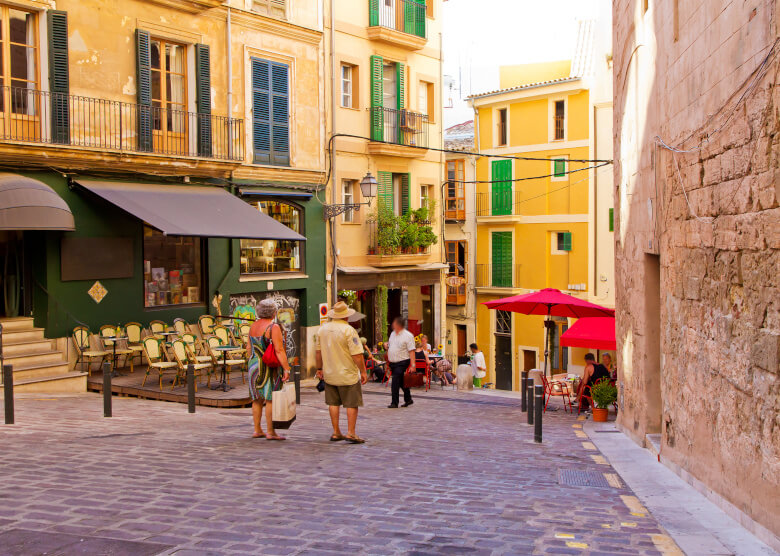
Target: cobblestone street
{"type": "Point", "coordinates": [456, 473]}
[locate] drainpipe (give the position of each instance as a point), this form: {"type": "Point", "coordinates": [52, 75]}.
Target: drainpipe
{"type": "Point", "coordinates": [334, 271]}
{"type": "Point", "coordinates": [595, 206]}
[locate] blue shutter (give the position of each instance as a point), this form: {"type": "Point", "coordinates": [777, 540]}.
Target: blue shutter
{"type": "Point", "coordinates": [261, 111]}
{"type": "Point", "coordinates": [280, 115]}
{"type": "Point", "coordinates": [270, 112]}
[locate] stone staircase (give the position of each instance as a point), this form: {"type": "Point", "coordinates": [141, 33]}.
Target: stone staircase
{"type": "Point", "coordinates": [38, 365]}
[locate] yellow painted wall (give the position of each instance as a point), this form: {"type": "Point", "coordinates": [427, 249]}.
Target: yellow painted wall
{"type": "Point", "coordinates": [523, 74]}
{"type": "Point", "coordinates": [528, 122]}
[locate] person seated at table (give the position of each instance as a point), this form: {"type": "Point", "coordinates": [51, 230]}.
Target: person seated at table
{"type": "Point", "coordinates": [606, 360]}
{"type": "Point", "coordinates": [591, 375]}
{"type": "Point", "coordinates": [425, 345]}
{"type": "Point", "coordinates": [420, 353]}
{"type": "Point", "coordinates": [443, 371]}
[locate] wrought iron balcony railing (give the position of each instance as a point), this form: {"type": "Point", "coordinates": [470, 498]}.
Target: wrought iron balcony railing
{"type": "Point", "coordinates": [406, 16]}
{"type": "Point", "coordinates": [499, 202]}
{"type": "Point", "coordinates": [402, 127]}
{"type": "Point", "coordinates": [497, 275]}
{"type": "Point", "coordinates": [33, 116]}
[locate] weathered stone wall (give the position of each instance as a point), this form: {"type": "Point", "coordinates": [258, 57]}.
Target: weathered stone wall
{"type": "Point", "coordinates": [698, 354]}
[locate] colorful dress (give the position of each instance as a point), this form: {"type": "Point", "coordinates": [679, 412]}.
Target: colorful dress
{"type": "Point", "coordinates": [263, 380]}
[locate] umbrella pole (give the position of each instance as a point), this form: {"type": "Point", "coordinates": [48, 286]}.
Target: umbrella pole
{"type": "Point", "coordinates": [546, 340]}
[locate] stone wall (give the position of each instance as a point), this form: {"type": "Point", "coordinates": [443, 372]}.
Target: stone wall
{"type": "Point", "coordinates": [698, 279]}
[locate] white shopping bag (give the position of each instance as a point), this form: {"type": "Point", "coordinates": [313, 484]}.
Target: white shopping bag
{"type": "Point", "coordinates": [283, 407]}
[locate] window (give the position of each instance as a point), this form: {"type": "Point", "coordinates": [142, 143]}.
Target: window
{"type": "Point", "coordinates": [559, 168]}
{"type": "Point", "coordinates": [393, 191]}
{"type": "Point", "coordinates": [563, 241]}
{"type": "Point", "coordinates": [501, 188]}
{"type": "Point", "coordinates": [504, 323]}
{"type": "Point", "coordinates": [19, 60]}
{"type": "Point", "coordinates": [259, 256]}
{"type": "Point", "coordinates": [172, 269]}
{"type": "Point", "coordinates": [502, 127]}
{"type": "Point", "coordinates": [425, 102]}
{"type": "Point", "coordinates": [169, 93]}
{"type": "Point", "coordinates": [425, 191]}
{"type": "Point", "coordinates": [455, 203]}
{"type": "Point", "coordinates": [273, 8]}
{"type": "Point", "coordinates": [349, 86]}
{"type": "Point", "coordinates": [559, 120]}
{"type": "Point", "coordinates": [456, 252]}
{"type": "Point", "coordinates": [270, 112]}
{"type": "Point", "coordinates": [501, 257]}
{"type": "Point", "coordinates": [348, 198]}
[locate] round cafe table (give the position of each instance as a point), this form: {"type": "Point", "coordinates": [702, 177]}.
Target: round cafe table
{"type": "Point", "coordinates": [223, 382]}
{"type": "Point", "coordinates": [114, 340]}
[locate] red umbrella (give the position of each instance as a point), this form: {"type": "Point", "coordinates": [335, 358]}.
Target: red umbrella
{"type": "Point", "coordinates": [591, 332]}
{"type": "Point", "coordinates": [549, 302]}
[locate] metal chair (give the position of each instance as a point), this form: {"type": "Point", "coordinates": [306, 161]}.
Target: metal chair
{"type": "Point", "coordinates": [84, 351]}
{"type": "Point", "coordinates": [154, 356]}
{"type": "Point", "coordinates": [557, 389]}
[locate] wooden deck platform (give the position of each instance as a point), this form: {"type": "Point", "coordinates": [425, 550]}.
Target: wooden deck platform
{"type": "Point", "coordinates": [129, 384]}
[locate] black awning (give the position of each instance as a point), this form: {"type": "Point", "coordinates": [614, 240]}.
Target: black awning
{"type": "Point", "coordinates": [189, 210]}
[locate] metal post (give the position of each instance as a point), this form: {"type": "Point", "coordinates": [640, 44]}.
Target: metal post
{"type": "Point", "coordinates": [524, 391]}
{"type": "Point", "coordinates": [538, 408]}
{"type": "Point", "coordinates": [297, 379]}
{"type": "Point", "coordinates": [1, 344]}
{"type": "Point", "coordinates": [107, 389]}
{"type": "Point", "coordinates": [190, 388]}
{"type": "Point", "coordinates": [530, 398]}
{"type": "Point", "coordinates": [8, 393]}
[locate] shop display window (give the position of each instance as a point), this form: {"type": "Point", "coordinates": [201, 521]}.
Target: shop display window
{"type": "Point", "coordinates": [261, 256]}
{"type": "Point", "coordinates": [172, 269]}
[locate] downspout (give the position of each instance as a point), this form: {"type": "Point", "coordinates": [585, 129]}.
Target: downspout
{"type": "Point", "coordinates": [334, 271]}
{"type": "Point", "coordinates": [595, 206]}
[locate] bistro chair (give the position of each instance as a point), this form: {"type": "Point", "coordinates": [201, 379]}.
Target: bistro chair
{"type": "Point", "coordinates": [194, 346]}
{"type": "Point", "coordinates": [134, 331]}
{"type": "Point", "coordinates": [154, 355]}
{"type": "Point", "coordinates": [108, 330]}
{"type": "Point", "coordinates": [84, 351]}
{"type": "Point", "coordinates": [556, 389]}
{"type": "Point", "coordinates": [184, 358]}
{"type": "Point", "coordinates": [181, 326]}
{"type": "Point", "coordinates": [206, 324]}
{"type": "Point", "coordinates": [424, 368]}
{"type": "Point", "coordinates": [219, 359]}
{"type": "Point", "coordinates": [156, 327]}
{"type": "Point", "coordinates": [227, 339]}
{"type": "Point", "coordinates": [243, 334]}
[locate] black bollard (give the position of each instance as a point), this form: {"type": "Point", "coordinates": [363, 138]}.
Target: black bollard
{"type": "Point", "coordinates": [8, 393]}
{"type": "Point", "coordinates": [297, 379]}
{"type": "Point", "coordinates": [538, 408]}
{"type": "Point", "coordinates": [190, 388]}
{"type": "Point", "coordinates": [524, 391]}
{"type": "Point", "coordinates": [530, 397]}
{"type": "Point", "coordinates": [106, 389]}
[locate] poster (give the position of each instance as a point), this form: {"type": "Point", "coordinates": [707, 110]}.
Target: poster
{"type": "Point", "coordinates": [288, 316]}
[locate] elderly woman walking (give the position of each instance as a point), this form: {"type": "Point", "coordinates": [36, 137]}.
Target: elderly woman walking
{"type": "Point", "coordinates": [265, 334]}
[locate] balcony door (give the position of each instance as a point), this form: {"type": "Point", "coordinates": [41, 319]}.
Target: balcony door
{"type": "Point", "coordinates": [169, 96]}
{"type": "Point", "coordinates": [21, 102]}
{"type": "Point", "coordinates": [390, 101]}
{"type": "Point", "coordinates": [387, 13]}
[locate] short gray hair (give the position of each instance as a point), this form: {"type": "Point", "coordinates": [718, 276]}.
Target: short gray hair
{"type": "Point", "coordinates": [267, 308]}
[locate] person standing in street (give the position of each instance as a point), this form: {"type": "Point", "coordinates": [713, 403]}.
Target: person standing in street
{"type": "Point", "coordinates": [341, 365]}
{"type": "Point", "coordinates": [400, 355]}
{"type": "Point", "coordinates": [478, 365]}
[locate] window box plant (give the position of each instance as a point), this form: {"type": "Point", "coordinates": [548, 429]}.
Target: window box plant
{"type": "Point", "coordinates": [603, 394]}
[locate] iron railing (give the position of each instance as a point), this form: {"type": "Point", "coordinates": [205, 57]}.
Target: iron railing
{"type": "Point", "coordinates": [34, 116]}
{"type": "Point", "coordinates": [402, 127]}
{"type": "Point", "coordinates": [499, 203]}
{"type": "Point", "coordinates": [559, 127]}
{"type": "Point", "coordinates": [389, 242]}
{"type": "Point", "coordinates": [497, 275]}
{"type": "Point", "coordinates": [406, 16]}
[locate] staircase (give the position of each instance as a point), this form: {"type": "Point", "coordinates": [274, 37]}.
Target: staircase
{"type": "Point", "coordinates": [38, 365]}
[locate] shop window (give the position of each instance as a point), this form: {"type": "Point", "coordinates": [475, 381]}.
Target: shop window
{"type": "Point", "coordinates": [260, 256]}
{"type": "Point", "coordinates": [172, 269]}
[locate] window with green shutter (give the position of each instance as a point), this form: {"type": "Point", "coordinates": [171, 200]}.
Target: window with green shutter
{"type": "Point", "coordinates": [270, 112]}
{"type": "Point", "coordinates": [501, 258]}
{"type": "Point", "coordinates": [385, 189]}
{"type": "Point", "coordinates": [144, 90]}
{"type": "Point", "coordinates": [501, 187]}
{"type": "Point", "coordinates": [611, 220]}
{"type": "Point", "coordinates": [59, 81]}
{"type": "Point", "coordinates": [405, 180]}
{"type": "Point", "coordinates": [377, 97]}
{"type": "Point", "coordinates": [564, 241]}
{"type": "Point", "coordinates": [559, 168]}
{"type": "Point", "coordinates": [203, 97]}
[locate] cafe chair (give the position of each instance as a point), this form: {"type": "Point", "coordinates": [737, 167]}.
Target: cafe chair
{"type": "Point", "coordinates": [156, 327]}
{"type": "Point", "coordinates": [84, 351]}
{"type": "Point", "coordinates": [206, 324]}
{"type": "Point", "coordinates": [227, 339]}
{"type": "Point", "coordinates": [424, 368]}
{"type": "Point", "coordinates": [134, 332]}
{"type": "Point", "coordinates": [154, 356]}
{"type": "Point", "coordinates": [180, 325]}
{"type": "Point", "coordinates": [108, 330]}
{"type": "Point", "coordinates": [556, 389]}
{"type": "Point", "coordinates": [184, 358]}
{"type": "Point", "coordinates": [218, 359]}
{"type": "Point", "coordinates": [196, 348]}
{"type": "Point", "coordinates": [243, 333]}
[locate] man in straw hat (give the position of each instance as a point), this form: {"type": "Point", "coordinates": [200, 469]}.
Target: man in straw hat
{"type": "Point", "coordinates": [340, 364]}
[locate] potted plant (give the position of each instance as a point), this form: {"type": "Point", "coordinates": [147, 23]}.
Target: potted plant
{"type": "Point", "coordinates": [603, 394]}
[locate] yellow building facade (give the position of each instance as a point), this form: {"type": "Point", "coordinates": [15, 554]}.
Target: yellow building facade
{"type": "Point", "coordinates": [546, 222]}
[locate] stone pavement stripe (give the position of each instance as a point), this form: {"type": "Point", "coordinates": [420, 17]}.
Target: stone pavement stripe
{"type": "Point", "coordinates": [613, 480]}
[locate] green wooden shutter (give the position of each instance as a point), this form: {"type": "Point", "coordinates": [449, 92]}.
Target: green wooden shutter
{"type": "Point", "coordinates": [144, 93]}
{"type": "Point", "coordinates": [401, 83]}
{"type": "Point", "coordinates": [373, 13]}
{"type": "Point", "coordinates": [564, 241]}
{"type": "Point", "coordinates": [501, 275]}
{"type": "Point", "coordinates": [611, 220]}
{"type": "Point", "coordinates": [59, 82]}
{"type": "Point", "coordinates": [261, 111]}
{"type": "Point", "coordinates": [501, 187]}
{"type": "Point", "coordinates": [405, 181]}
{"type": "Point", "coordinates": [280, 114]}
{"type": "Point", "coordinates": [559, 167]}
{"type": "Point", "coordinates": [377, 96]}
{"type": "Point", "coordinates": [203, 97]}
{"type": "Point", "coordinates": [385, 189]}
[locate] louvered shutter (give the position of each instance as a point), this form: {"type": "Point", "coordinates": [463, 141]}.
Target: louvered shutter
{"type": "Point", "coordinates": [501, 187]}
{"type": "Point", "coordinates": [401, 82]}
{"type": "Point", "coordinates": [501, 259]}
{"type": "Point", "coordinates": [565, 241]}
{"type": "Point", "coordinates": [385, 189]}
{"type": "Point", "coordinates": [405, 181]}
{"type": "Point", "coordinates": [261, 111]}
{"type": "Point", "coordinates": [420, 30]}
{"type": "Point", "coordinates": [414, 17]}
{"type": "Point", "coordinates": [373, 13]}
{"type": "Point", "coordinates": [377, 96]}
{"type": "Point", "coordinates": [203, 97]}
{"type": "Point", "coordinates": [280, 114]}
{"type": "Point", "coordinates": [59, 81]}
{"type": "Point", "coordinates": [144, 93]}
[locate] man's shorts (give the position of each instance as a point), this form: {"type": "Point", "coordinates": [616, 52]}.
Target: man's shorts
{"type": "Point", "coordinates": [349, 396]}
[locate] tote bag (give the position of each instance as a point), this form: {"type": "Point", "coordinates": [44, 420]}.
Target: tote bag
{"type": "Point", "coordinates": [283, 407]}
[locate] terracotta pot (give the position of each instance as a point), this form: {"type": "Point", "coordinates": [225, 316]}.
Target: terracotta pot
{"type": "Point", "coordinates": [600, 414]}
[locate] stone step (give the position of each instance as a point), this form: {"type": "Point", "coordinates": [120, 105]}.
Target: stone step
{"type": "Point", "coordinates": [16, 324]}
{"type": "Point", "coordinates": [67, 383]}
{"type": "Point", "coordinates": [24, 335]}
{"type": "Point", "coordinates": [49, 356]}
{"type": "Point", "coordinates": [40, 371]}
{"type": "Point", "coordinates": [11, 349]}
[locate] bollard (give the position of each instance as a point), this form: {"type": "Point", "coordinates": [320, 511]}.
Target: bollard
{"type": "Point", "coordinates": [538, 409]}
{"type": "Point", "coordinates": [190, 388]}
{"type": "Point", "coordinates": [524, 391]}
{"type": "Point", "coordinates": [107, 389]}
{"type": "Point", "coordinates": [8, 393]}
{"type": "Point", "coordinates": [530, 400]}
{"type": "Point", "coordinates": [297, 379]}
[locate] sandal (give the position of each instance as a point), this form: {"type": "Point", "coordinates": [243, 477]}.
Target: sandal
{"type": "Point", "coordinates": [275, 437]}
{"type": "Point", "coordinates": [355, 440]}
{"type": "Point", "coordinates": [258, 435]}
{"type": "Point", "coordinates": [337, 438]}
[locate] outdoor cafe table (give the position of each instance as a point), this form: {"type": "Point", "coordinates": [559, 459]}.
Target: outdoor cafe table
{"type": "Point", "coordinates": [114, 340]}
{"type": "Point", "coordinates": [223, 383]}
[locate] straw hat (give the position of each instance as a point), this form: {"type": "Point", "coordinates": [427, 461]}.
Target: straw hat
{"type": "Point", "coordinates": [340, 311]}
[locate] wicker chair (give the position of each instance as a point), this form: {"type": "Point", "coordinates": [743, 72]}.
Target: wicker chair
{"type": "Point", "coordinates": [218, 359]}
{"type": "Point", "coordinates": [85, 353]}
{"type": "Point", "coordinates": [154, 356]}
{"type": "Point", "coordinates": [184, 358]}
{"type": "Point", "coordinates": [108, 330]}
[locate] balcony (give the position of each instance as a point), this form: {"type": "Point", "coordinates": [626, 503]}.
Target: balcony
{"type": "Point", "coordinates": [499, 276]}
{"type": "Point", "coordinates": [455, 201]}
{"type": "Point", "coordinates": [398, 133]}
{"type": "Point", "coordinates": [399, 240]}
{"type": "Point", "coordinates": [498, 204]}
{"type": "Point", "coordinates": [456, 288]}
{"type": "Point", "coordinates": [398, 22]}
{"type": "Point", "coordinates": [42, 117]}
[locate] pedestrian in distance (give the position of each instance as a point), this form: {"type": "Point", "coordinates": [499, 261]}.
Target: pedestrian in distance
{"type": "Point", "coordinates": [341, 364]}
{"type": "Point", "coordinates": [478, 365]}
{"type": "Point", "coordinates": [401, 357]}
{"type": "Point", "coordinates": [265, 333]}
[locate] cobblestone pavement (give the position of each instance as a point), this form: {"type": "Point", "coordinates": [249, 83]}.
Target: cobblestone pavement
{"type": "Point", "coordinates": [456, 473]}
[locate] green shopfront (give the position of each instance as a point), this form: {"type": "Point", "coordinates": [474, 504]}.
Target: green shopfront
{"type": "Point", "coordinates": [117, 268]}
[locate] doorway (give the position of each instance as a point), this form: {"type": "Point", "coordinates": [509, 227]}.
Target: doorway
{"type": "Point", "coordinates": [503, 350]}
{"type": "Point", "coordinates": [652, 268]}
{"type": "Point", "coordinates": [529, 359]}
{"type": "Point", "coordinates": [394, 308]}
{"type": "Point", "coordinates": [462, 344]}
{"type": "Point", "coordinates": [14, 276]}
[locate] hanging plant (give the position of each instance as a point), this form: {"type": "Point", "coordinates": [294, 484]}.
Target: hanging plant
{"type": "Point", "coordinates": [349, 296]}
{"type": "Point", "coordinates": [381, 316]}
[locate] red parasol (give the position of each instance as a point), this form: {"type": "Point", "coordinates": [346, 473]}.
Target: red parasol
{"type": "Point", "coordinates": [592, 332]}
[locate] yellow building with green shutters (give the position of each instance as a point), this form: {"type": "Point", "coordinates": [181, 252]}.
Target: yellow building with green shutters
{"type": "Point", "coordinates": [546, 222]}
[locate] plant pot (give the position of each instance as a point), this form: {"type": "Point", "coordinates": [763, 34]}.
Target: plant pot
{"type": "Point", "coordinates": [600, 414]}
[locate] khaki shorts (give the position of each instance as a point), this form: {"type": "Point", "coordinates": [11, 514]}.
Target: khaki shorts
{"type": "Point", "coordinates": [349, 396]}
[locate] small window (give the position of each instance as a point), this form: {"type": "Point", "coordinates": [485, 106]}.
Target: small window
{"type": "Point", "coordinates": [425, 102]}
{"type": "Point", "coordinates": [502, 126]}
{"type": "Point", "coordinates": [425, 196]}
{"type": "Point", "coordinates": [346, 86]}
{"type": "Point", "coordinates": [273, 8]}
{"type": "Point", "coordinates": [611, 220]}
{"type": "Point", "coordinates": [560, 120]}
{"type": "Point", "coordinates": [172, 269]}
{"type": "Point", "coordinates": [559, 168]}
{"type": "Point", "coordinates": [270, 255]}
{"type": "Point", "coordinates": [348, 198]}
{"type": "Point", "coordinates": [564, 241]}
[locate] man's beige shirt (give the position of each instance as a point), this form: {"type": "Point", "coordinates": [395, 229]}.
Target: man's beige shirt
{"type": "Point", "coordinates": [338, 342]}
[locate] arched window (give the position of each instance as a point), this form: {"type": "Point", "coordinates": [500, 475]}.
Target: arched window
{"type": "Point", "coordinates": [260, 256]}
